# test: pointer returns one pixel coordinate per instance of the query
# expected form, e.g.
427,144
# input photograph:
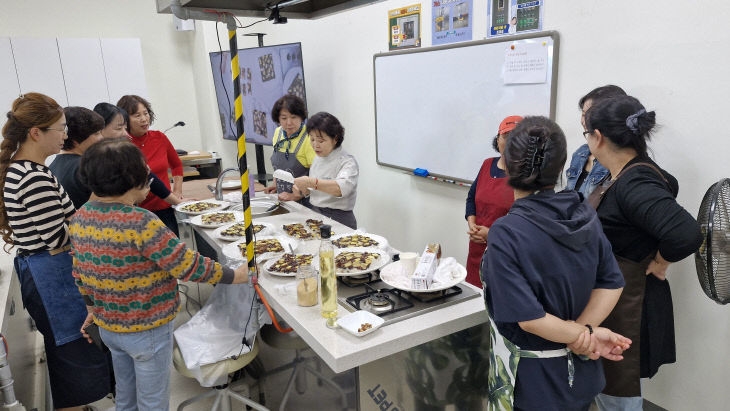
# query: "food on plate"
199,207
239,230
316,226
271,245
364,327
218,218
356,240
289,263
355,260
297,231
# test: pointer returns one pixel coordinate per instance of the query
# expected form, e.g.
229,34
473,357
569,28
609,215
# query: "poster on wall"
506,17
404,27
451,21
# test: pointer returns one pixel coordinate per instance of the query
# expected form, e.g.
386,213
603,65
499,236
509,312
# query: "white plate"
221,205
231,184
266,231
377,264
198,219
387,273
382,242
271,262
260,206
314,237
351,322
232,252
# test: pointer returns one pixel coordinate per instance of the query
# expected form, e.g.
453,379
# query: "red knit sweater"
161,156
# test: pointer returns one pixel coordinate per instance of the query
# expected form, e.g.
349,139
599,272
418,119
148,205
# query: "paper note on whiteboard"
526,64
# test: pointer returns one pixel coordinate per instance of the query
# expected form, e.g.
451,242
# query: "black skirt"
80,373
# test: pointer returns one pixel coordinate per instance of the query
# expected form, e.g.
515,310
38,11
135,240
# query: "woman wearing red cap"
489,198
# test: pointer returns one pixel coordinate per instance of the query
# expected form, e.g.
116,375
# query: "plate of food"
216,219
360,323
265,247
359,239
286,265
298,230
395,275
201,207
357,261
237,231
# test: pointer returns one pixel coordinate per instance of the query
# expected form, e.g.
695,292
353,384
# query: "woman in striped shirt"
34,213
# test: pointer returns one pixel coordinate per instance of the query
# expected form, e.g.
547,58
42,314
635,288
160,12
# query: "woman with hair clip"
115,120
34,218
648,230
332,181
550,280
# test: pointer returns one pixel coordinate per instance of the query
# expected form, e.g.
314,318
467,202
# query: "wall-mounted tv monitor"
267,73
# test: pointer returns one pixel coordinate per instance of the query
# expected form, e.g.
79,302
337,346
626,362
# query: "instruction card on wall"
404,27
526,63
505,17
451,21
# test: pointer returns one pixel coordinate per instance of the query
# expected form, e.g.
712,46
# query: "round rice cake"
355,260
356,240
289,263
199,207
218,218
297,230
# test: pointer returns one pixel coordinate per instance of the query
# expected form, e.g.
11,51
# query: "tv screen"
267,73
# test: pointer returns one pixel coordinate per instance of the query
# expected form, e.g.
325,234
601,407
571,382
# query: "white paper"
526,63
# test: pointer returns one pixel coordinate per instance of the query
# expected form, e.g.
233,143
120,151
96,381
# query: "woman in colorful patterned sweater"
126,264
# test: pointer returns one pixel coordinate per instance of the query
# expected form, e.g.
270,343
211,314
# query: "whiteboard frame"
553,81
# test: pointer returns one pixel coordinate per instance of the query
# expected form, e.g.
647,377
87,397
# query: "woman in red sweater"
159,152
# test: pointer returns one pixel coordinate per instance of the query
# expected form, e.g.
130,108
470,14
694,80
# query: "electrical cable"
255,22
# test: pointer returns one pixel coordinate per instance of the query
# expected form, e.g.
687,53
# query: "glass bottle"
327,277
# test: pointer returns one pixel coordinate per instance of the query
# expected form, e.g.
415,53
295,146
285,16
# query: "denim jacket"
577,163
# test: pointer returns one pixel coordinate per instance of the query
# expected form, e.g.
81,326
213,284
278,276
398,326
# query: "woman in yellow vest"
292,149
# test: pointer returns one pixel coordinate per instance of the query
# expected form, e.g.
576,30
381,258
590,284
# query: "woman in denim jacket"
585,172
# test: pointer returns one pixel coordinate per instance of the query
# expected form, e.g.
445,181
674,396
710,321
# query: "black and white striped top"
37,207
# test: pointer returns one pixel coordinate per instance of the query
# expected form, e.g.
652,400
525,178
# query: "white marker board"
439,108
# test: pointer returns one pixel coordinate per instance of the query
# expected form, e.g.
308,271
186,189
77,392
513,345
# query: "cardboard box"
423,276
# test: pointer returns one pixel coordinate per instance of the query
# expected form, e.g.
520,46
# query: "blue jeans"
611,403
142,363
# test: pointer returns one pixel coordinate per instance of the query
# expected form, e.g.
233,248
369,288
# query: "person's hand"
584,345
480,234
269,190
290,196
658,267
304,183
87,322
240,274
608,344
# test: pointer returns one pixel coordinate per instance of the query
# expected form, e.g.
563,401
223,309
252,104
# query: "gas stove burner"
378,299
377,304
358,280
380,302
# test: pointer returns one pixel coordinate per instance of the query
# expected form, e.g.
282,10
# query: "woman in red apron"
489,198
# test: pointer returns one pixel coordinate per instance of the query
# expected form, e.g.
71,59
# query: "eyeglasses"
586,134
64,130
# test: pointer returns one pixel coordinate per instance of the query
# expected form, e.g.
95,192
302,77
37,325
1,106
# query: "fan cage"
713,257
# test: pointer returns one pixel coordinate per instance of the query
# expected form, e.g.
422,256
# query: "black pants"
167,216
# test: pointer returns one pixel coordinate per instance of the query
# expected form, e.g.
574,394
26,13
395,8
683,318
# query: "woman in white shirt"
332,180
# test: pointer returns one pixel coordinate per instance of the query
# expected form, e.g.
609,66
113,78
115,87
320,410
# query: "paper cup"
409,262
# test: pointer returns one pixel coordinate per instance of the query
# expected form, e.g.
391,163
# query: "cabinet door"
9,89
83,71
39,67
124,68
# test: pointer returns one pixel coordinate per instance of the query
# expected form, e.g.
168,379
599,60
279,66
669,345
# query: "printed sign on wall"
451,21
404,27
505,17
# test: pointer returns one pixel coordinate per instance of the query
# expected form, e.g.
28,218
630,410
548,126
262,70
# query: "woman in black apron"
549,280
292,148
648,230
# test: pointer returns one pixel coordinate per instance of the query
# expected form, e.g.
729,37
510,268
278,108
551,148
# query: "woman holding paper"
332,181
489,198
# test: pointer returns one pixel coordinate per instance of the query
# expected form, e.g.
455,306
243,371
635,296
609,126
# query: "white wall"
165,52
672,56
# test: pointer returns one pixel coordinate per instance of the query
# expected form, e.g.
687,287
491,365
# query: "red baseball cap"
508,124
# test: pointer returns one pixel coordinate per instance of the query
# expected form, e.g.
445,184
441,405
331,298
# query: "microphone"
178,124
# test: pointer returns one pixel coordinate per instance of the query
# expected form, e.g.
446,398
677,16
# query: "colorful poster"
404,27
451,21
505,17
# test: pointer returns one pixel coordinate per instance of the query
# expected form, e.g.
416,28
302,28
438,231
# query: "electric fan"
713,257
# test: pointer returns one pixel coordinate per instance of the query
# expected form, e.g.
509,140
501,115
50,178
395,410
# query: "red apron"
493,199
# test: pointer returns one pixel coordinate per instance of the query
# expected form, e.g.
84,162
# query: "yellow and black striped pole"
242,165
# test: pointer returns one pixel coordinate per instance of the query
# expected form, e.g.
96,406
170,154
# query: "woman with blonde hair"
34,213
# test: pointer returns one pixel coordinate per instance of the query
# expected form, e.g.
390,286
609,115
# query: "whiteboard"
83,71
39,67
438,108
123,67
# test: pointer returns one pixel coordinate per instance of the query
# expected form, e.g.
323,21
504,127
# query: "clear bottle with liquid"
327,277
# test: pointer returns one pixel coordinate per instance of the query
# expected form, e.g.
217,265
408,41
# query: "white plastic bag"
216,331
